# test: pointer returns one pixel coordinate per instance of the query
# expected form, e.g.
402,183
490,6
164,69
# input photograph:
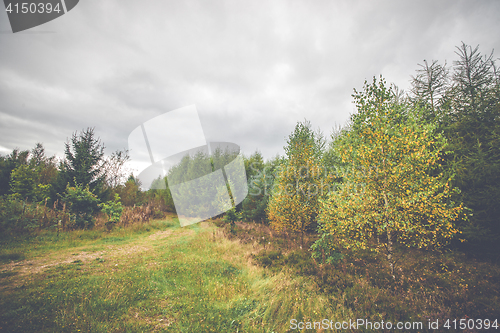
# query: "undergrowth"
428,286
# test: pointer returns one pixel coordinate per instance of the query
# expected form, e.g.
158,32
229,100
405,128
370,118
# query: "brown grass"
429,285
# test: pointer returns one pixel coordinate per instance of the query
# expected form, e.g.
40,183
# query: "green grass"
46,242
157,277
12,256
161,277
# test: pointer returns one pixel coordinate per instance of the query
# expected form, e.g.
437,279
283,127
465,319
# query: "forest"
393,216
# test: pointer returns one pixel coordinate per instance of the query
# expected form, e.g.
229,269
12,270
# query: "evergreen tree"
84,163
468,114
7,165
473,78
254,164
33,176
430,85
474,136
261,177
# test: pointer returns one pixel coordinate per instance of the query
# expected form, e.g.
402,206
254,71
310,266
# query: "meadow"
149,277
157,276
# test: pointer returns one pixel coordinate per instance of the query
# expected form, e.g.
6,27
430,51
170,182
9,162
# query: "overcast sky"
252,68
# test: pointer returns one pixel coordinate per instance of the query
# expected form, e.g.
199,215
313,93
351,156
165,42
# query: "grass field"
160,277
155,277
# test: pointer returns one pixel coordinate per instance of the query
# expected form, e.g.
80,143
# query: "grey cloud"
252,68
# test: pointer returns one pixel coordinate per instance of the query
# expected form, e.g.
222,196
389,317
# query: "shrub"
231,217
269,258
113,209
83,205
21,216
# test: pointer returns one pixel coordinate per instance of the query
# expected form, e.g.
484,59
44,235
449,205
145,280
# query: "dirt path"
15,273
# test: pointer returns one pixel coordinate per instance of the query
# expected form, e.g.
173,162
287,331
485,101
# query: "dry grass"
429,285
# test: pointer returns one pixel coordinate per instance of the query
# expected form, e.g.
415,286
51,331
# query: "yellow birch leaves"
294,200
394,184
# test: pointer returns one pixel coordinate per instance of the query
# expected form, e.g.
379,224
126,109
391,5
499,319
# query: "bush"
20,216
269,259
15,216
323,250
83,205
298,261
231,217
113,209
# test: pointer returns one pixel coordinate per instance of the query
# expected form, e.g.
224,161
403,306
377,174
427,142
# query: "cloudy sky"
253,69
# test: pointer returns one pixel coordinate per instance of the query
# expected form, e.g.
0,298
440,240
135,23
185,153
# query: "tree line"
82,184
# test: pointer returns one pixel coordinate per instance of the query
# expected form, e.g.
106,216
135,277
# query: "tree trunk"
302,239
389,253
389,237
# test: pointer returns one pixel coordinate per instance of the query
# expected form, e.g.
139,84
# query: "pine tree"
430,85
84,163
